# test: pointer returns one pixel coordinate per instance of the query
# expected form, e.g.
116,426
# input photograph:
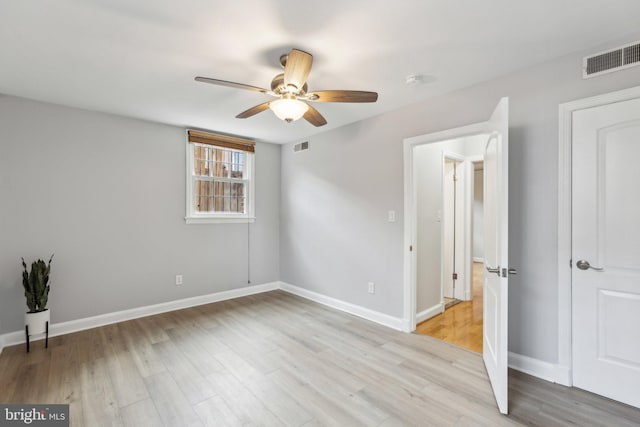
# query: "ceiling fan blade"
297,68
230,84
314,117
253,110
342,96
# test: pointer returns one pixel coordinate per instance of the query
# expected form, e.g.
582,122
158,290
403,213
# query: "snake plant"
36,285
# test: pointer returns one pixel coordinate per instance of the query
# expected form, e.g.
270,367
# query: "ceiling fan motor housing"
278,87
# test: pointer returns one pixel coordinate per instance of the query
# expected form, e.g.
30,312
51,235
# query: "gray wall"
106,194
335,197
335,236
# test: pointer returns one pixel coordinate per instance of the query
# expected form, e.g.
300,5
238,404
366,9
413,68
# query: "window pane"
200,160
197,167
218,162
222,204
201,191
236,170
218,180
198,163
237,189
216,169
211,196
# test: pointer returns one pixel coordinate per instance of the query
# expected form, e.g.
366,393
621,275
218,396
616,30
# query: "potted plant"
36,290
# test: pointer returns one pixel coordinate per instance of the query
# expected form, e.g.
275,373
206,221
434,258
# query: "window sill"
219,220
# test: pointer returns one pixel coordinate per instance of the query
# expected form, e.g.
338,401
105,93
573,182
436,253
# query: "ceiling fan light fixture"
288,109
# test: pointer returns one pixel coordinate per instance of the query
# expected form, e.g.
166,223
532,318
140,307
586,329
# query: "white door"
606,235
496,226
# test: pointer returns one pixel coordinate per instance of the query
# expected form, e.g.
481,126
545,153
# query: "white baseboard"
17,337
429,312
374,316
537,368
478,259
62,328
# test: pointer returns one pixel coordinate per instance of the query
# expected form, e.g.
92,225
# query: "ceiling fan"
290,88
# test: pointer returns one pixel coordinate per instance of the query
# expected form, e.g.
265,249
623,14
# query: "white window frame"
193,217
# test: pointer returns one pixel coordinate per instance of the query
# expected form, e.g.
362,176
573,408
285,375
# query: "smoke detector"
413,79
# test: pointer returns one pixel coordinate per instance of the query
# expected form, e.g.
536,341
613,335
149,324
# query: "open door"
496,273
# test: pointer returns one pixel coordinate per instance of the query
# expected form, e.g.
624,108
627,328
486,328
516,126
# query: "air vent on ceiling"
612,60
302,146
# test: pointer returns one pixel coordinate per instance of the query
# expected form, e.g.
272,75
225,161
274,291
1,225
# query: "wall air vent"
613,60
302,146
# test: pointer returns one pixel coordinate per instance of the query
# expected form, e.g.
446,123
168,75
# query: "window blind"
221,140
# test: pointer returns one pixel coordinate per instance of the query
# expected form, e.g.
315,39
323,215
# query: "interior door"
606,250
496,274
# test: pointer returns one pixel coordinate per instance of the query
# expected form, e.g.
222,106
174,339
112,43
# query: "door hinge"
455,276
571,263
455,177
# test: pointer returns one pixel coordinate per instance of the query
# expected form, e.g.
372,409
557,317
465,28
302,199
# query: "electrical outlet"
391,216
178,279
372,288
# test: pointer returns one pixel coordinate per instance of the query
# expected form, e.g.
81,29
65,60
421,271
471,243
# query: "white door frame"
564,372
409,267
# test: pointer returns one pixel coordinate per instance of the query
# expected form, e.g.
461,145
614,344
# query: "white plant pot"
37,322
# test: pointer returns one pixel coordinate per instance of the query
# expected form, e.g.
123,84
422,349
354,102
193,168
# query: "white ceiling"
138,58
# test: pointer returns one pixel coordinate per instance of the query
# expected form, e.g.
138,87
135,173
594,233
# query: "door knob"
493,270
584,265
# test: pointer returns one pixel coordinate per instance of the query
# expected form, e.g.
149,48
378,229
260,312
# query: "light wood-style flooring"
278,360
461,324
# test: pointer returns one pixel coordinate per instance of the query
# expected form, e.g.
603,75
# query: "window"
219,178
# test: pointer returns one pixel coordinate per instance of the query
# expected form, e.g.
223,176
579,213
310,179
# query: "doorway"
449,284
598,265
